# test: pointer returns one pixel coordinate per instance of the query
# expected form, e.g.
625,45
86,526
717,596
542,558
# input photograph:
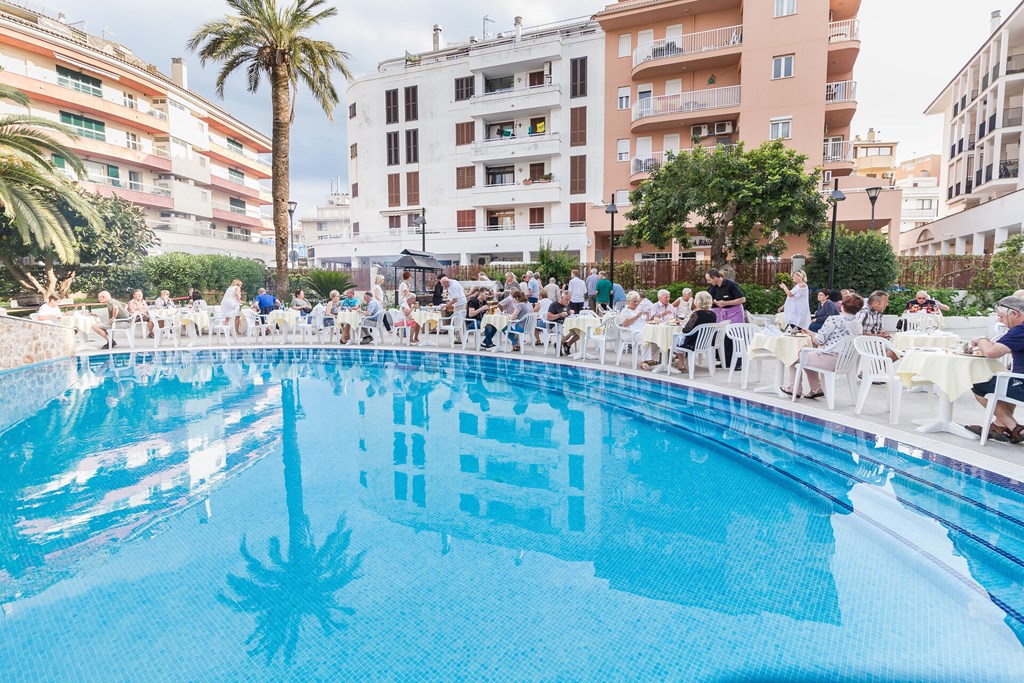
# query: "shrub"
760,300
864,261
321,282
179,272
556,263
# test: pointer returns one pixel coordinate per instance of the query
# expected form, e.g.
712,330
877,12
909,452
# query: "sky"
910,49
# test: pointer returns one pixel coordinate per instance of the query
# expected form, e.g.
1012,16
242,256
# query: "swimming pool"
338,514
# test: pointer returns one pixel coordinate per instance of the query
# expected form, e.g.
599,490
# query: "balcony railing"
696,100
922,213
202,230
704,41
1008,169
841,91
241,210
839,31
647,163
123,184
522,90
512,139
837,151
1012,116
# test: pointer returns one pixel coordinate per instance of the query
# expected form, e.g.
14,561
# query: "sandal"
815,394
1015,435
787,392
646,366
997,432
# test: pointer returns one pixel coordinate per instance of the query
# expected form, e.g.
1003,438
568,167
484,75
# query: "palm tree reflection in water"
282,593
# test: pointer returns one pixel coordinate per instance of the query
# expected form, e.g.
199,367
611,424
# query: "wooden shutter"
465,220
465,133
536,216
578,213
394,189
577,126
465,177
578,174
412,188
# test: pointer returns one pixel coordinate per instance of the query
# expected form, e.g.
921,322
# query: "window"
500,175
622,197
622,150
355,229
352,110
353,150
410,220
578,214
536,217
537,171
392,147
538,126
781,129
412,188
79,81
782,67
578,77
464,88
498,84
114,175
394,189
577,126
465,220
391,106
394,222
465,177
355,190
236,205
132,141
578,174
129,101
236,176
536,79
924,204
412,103
234,145
624,97
85,127
501,219
134,180
783,8
625,44
412,146
465,133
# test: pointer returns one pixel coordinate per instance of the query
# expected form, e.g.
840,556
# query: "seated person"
846,324
508,304
684,304
517,325
922,303
351,301
662,310
870,316
558,311
49,312
372,315
196,300
826,309
701,315
300,304
332,307
115,311
541,309
519,303
264,303
1004,427
137,306
405,320
164,301
476,309
632,321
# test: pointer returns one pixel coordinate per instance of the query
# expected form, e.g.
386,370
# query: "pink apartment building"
731,71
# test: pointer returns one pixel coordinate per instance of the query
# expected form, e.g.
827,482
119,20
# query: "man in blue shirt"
374,310
351,300
534,285
1004,427
265,303
618,296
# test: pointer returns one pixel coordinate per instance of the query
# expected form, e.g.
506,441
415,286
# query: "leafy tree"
556,263
271,42
1008,264
865,261
745,202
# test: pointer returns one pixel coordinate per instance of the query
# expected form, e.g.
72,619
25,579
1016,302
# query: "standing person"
231,304
602,293
511,283
534,295
524,286
137,306
796,310
592,281
577,292
457,294
826,309
378,289
405,287
115,311
437,298
552,289
618,296
728,300
1005,426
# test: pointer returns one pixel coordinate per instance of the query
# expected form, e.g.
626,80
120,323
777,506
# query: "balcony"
1012,117
706,49
509,194
523,101
641,167
197,237
922,214
134,192
220,180
237,215
837,152
669,111
244,158
1014,64
1008,169
843,45
130,152
525,148
840,103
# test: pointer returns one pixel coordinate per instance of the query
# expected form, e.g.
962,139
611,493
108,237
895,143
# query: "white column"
526,256
463,259
1001,235
961,246
978,248
355,261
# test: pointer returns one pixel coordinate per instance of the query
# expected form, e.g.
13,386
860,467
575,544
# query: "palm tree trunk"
280,185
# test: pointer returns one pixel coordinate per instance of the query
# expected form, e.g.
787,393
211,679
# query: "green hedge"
760,300
179,273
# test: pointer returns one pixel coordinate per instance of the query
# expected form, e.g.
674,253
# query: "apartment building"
327,230
874,157
144,136
479,150
981,111
713,72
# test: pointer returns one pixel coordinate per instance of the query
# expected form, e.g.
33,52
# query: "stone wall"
23,342
26,391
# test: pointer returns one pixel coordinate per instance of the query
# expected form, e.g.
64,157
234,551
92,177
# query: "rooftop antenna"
487,20
107,34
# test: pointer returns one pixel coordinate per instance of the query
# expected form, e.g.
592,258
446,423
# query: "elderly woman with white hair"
684,304
796,311
702,315
633,321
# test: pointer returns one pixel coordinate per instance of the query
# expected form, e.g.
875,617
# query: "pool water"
379,515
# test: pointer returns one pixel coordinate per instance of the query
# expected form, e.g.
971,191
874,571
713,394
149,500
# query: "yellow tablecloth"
352,318
661,335
951,372
785,347
79,322
904,341
580,324
431,318
499,320
201,319
286,319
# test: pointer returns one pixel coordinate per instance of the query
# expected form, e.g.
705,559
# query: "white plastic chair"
703,346
306,326
844,366
624,338
876,366
528,325
553,332
375,328
253,326
456,323
1000,392
916,322
125,326
170,326
600,336
223,326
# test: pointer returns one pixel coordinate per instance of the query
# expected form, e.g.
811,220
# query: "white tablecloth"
431,318
82,322
201,319
287,319
580,324
352,318
499,320
785,347
661,335
904,341
952,373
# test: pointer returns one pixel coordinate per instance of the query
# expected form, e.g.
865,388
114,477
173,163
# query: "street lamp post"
611,210
292,254
421,223
837,196
873,193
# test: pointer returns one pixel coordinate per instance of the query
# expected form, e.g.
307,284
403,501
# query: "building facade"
327,231
478,151
144,136
728,71
981,111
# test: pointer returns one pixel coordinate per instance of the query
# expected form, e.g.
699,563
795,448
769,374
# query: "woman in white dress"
797,310
231,304
378,289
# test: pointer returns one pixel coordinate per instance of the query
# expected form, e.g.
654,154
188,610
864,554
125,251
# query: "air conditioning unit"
483,260
699,131
723,128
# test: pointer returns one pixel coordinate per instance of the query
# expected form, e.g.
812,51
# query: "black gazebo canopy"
417,262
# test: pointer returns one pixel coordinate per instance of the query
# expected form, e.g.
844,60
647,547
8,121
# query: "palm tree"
271,41
30,185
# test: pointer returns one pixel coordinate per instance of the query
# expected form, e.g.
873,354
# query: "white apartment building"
327,231
495,143
981,110
144,136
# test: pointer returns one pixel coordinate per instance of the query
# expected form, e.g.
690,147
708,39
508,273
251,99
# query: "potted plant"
528,181
547,177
